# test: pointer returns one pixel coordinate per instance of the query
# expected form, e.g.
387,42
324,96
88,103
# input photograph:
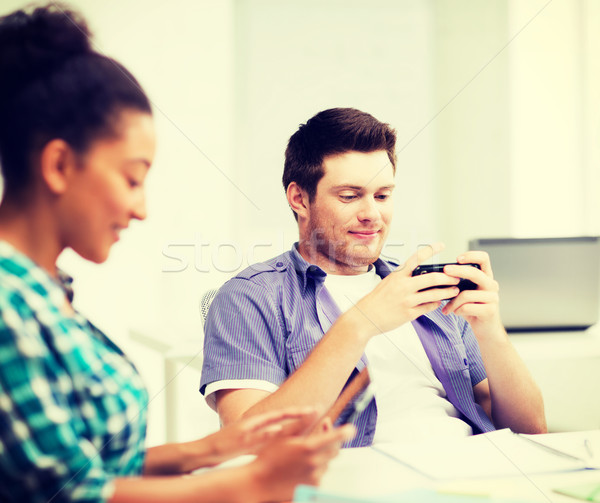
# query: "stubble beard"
339,253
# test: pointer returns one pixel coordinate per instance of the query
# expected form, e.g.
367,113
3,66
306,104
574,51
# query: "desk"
366,472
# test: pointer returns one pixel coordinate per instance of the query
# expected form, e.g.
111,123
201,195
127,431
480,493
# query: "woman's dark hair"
53,84
332,132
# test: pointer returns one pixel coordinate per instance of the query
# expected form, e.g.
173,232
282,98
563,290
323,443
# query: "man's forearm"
516,400
320,379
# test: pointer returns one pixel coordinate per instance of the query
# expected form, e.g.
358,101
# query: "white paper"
495,454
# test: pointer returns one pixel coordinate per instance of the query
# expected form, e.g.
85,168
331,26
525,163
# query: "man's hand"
480,307
401,297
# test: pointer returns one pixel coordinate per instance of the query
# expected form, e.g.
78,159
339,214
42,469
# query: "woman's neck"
32,231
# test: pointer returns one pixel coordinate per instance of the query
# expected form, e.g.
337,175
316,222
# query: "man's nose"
368,209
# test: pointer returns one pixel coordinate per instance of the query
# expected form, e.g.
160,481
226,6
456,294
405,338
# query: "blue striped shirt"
72,407
264,322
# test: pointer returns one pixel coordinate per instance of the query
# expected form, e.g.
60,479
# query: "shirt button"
279,264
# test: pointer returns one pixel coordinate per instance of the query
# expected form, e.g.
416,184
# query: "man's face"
349,217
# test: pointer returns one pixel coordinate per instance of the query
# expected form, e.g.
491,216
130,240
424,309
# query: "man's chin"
351,256
361,259
363,255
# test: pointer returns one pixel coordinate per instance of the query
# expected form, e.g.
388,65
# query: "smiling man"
347,227
297,328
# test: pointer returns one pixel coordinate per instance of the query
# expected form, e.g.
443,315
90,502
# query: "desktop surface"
366,472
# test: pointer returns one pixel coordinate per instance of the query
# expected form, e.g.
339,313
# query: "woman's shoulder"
30,301
22,279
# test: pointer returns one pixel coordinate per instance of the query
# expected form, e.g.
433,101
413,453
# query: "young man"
294,329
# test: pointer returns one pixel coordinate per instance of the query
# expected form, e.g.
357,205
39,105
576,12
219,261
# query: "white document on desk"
498,454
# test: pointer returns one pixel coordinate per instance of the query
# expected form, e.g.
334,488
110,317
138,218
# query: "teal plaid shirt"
72,406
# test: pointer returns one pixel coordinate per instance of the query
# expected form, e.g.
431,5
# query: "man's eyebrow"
347,186
359,187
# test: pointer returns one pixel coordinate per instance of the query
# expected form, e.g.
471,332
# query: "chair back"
205,302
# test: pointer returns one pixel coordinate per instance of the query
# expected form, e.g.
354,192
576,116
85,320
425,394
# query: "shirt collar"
66,283
307,270
30,271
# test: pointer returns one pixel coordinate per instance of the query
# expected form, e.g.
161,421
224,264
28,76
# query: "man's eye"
382,197
344,197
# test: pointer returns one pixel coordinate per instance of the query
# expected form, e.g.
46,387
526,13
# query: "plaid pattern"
72,407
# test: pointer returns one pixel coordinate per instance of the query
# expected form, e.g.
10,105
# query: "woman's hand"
289,458
288,462
246,436
250,435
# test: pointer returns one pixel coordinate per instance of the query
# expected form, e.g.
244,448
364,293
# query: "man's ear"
298,199
57,160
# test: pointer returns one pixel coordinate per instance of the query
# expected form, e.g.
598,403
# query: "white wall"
294,59
518,124
471,122
546,106
590,14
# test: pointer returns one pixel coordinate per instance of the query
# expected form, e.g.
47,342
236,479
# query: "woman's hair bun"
53,84
38,41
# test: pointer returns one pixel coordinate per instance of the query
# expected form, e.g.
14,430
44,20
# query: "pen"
552,449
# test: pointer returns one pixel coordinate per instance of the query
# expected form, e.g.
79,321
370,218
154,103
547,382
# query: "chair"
205,302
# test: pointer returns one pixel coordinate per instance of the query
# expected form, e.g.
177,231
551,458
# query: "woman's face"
107,190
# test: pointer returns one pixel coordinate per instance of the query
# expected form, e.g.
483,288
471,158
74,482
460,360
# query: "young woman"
76,143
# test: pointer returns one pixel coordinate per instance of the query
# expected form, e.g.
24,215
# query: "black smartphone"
463,284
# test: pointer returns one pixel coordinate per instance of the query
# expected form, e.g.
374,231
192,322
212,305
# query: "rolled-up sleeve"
43,455
244,335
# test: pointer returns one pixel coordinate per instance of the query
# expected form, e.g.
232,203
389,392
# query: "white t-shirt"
411,401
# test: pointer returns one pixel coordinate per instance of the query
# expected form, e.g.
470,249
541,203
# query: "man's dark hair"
333,132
